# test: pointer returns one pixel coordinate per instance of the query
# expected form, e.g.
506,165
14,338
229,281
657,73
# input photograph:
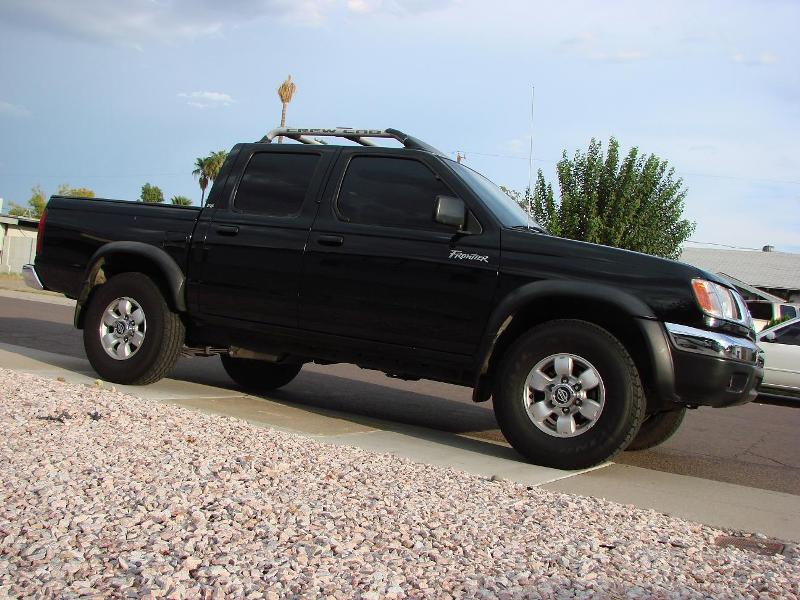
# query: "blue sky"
110,95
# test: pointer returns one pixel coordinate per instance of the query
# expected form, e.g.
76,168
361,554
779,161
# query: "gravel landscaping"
106,495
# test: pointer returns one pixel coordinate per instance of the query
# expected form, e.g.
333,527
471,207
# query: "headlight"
717,300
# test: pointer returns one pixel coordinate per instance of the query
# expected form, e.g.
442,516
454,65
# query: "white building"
17,242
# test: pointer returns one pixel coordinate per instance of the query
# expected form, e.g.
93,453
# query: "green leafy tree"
636,203
16,210
37,201
65,190
35,206
151,194
181,201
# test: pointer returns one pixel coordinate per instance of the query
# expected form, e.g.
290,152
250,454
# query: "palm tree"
285,93
208,169
215,159
201,172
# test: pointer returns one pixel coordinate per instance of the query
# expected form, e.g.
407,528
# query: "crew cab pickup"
401,260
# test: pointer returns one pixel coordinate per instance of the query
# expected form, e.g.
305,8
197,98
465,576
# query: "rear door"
251,256
379,268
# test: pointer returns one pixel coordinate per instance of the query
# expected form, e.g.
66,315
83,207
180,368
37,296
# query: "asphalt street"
754,445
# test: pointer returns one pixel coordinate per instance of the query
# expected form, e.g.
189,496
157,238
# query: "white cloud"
590,46
755,60
397,7
206,99
137,22
13,110
360,6
619,56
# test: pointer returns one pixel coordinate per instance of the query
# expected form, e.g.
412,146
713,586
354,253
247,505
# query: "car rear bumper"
714,369
31,277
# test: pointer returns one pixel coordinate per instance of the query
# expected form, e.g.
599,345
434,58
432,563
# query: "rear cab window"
275,184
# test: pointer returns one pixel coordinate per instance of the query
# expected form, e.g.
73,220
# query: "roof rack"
359,136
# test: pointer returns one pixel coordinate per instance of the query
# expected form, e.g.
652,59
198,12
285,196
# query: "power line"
79,176
723,245
692,173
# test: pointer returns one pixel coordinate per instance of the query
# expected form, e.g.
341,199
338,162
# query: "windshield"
502,206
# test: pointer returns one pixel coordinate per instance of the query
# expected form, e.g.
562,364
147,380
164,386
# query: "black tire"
657,429
258,375
616,424
162,340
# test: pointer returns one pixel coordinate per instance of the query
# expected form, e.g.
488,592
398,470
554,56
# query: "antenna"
530,160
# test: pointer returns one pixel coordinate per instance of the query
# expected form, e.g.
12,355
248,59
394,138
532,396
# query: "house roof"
779,270
28,222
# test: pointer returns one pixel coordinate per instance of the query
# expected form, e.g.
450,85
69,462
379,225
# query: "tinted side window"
275,184
789,335
788,312
393,192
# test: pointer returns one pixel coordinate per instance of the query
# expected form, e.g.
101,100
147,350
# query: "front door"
379,268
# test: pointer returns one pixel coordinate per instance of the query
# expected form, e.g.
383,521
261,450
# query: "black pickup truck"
402,260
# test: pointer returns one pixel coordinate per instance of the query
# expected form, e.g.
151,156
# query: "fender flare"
173,276
524,295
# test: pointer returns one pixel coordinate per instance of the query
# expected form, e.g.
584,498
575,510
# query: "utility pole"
459,157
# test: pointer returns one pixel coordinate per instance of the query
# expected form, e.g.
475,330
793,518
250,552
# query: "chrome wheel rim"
564,395
122,328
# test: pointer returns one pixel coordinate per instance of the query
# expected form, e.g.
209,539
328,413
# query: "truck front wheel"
568,395
130,334
258,375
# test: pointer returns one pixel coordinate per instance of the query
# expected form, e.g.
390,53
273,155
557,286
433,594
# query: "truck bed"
77,227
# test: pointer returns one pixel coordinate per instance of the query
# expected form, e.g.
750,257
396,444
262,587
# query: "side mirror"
768,337
451,211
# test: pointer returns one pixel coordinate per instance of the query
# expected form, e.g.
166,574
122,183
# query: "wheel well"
108,266
604,314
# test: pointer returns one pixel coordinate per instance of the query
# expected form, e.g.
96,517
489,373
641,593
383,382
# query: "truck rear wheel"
568,395
258,375
657,429
130,334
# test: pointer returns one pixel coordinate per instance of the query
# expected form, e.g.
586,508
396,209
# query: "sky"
112,94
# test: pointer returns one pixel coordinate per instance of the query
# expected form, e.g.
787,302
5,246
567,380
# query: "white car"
781,346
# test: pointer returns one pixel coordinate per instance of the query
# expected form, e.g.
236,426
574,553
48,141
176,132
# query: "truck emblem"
459,255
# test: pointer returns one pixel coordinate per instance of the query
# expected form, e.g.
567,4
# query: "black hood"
663,285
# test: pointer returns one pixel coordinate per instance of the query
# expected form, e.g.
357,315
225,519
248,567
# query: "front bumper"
31,277
714,369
